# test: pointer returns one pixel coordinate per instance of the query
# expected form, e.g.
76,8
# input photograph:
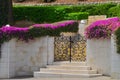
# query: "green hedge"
36,14
50,14
117,33
77,16
101,9
114,11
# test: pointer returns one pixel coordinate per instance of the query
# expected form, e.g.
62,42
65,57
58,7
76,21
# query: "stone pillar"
50,53
7,60
99,55
82,25
115,60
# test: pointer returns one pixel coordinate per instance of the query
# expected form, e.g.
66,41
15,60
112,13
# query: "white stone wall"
7,60
20,58
115,61
99,55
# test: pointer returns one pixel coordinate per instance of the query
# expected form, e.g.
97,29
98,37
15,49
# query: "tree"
6,16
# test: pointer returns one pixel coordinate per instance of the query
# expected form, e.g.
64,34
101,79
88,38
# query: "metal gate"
70,48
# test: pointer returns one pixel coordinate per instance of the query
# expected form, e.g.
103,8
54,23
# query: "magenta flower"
102,28
8,32
55,25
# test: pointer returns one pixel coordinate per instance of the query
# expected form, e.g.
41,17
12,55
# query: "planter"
99,55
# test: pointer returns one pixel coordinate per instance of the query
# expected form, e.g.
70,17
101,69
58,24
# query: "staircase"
67,69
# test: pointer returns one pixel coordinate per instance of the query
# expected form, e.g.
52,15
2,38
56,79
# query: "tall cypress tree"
6,12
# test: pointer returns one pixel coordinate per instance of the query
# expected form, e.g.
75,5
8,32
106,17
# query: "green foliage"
50,14
114,11
37,30
101,9
36,14
59,14
44,14
117,33
77,16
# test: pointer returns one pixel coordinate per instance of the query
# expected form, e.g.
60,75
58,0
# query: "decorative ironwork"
70,48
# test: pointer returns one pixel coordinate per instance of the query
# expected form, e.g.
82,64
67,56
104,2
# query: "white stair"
67,69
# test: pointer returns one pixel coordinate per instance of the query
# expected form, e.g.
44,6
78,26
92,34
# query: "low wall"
115,61
99,55
19,58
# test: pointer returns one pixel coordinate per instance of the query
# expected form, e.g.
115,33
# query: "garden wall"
19,58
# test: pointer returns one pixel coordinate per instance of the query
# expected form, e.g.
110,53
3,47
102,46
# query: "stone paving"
31,78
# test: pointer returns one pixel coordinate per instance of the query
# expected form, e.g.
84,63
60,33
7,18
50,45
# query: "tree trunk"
6,12
10,13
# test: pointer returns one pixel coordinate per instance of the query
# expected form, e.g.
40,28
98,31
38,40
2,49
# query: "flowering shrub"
102,28
37,30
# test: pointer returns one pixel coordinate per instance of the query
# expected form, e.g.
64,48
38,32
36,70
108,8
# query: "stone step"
70,63
69,71
69,67
63,75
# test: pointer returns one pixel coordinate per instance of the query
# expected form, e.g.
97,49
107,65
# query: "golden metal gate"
70,48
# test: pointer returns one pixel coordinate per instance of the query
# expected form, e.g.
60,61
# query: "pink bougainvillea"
102,28
7,32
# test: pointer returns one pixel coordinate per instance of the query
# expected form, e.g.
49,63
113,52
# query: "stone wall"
92,19
21,58
99,55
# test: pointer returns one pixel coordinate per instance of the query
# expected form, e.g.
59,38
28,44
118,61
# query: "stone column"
82,25
115,60
50,53
7,60
99,55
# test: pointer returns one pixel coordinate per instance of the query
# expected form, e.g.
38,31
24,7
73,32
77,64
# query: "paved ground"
94,78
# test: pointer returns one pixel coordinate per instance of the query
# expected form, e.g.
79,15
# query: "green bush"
117,33
114,11
60,13
44,14
77,16
101,9
50,14
36,14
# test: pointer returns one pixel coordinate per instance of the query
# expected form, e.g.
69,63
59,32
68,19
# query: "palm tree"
6,12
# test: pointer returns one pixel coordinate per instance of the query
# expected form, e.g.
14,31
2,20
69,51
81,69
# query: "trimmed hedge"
50,14
36,14
77,16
